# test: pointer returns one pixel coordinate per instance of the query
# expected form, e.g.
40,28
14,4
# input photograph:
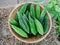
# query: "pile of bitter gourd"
30,21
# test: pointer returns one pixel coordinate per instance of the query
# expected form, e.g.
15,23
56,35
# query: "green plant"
39,27
30,23
21,22
32,26
14,22
38,11
22,10
46,24
43,14
19,31
53,8
32,11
